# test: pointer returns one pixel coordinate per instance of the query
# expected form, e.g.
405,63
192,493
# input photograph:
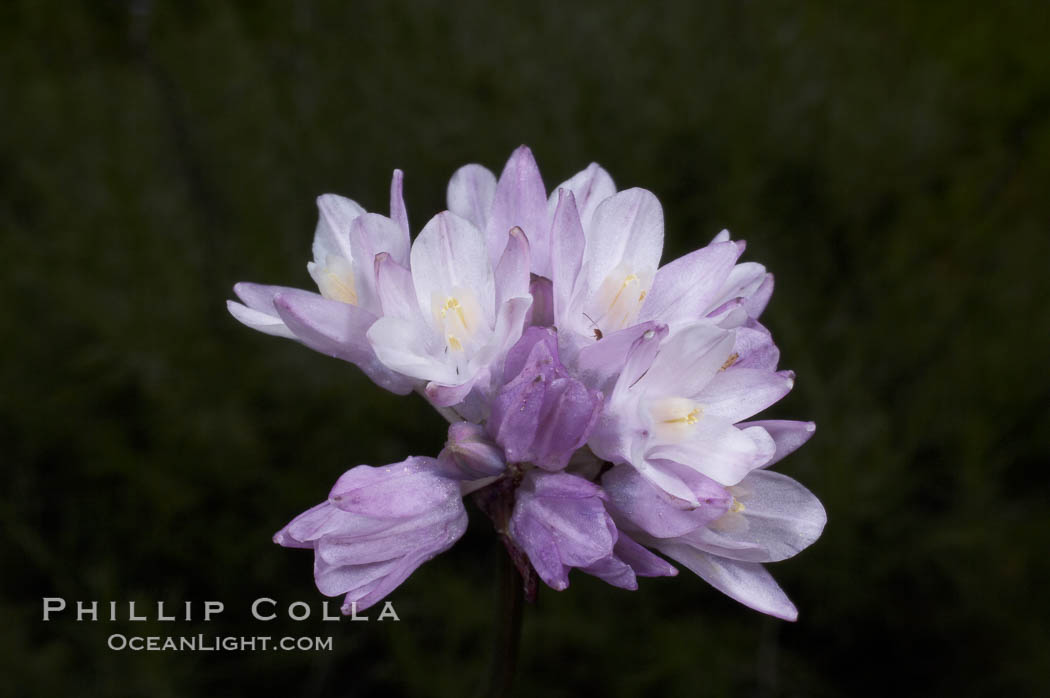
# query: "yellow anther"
641,296
629,279
453,304
730,361
736,507
692,418
454,343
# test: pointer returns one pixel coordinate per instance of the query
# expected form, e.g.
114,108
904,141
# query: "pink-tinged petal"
723,236
371,234
470,194
685,288
567,245
788,435
643,562
715,448
454,392
757,302
402,346
781,518
636,499
410,488
398,212
746,582
332,235
590,187
628,226
448,254
338,330
689,360
512,271
738,393
395,291
521,201
262,322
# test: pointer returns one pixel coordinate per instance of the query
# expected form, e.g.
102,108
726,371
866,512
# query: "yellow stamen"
730,361
736,506
692,418
630,278
454,343
453,304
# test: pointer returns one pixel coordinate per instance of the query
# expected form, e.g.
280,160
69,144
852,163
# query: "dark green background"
889,163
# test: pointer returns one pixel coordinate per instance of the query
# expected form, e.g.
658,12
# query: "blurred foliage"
888,161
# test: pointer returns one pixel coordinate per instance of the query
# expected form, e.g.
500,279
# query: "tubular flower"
601,405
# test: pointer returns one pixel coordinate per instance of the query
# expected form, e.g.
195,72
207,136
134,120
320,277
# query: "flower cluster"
597,400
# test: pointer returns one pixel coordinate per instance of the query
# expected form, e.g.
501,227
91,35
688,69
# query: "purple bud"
470,454
542,414
560,521
377,527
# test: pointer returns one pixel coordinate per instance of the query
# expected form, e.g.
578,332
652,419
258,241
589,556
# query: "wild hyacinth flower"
600,404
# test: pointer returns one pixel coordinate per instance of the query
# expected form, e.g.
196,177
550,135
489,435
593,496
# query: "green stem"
508,627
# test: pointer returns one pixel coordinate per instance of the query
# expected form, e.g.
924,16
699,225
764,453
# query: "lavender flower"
377,527
600,404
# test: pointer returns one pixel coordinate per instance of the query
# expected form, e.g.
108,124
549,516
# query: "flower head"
600,403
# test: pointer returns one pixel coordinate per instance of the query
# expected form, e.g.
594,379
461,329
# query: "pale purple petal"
470,194
781,516
260,321
398,212
627,227
399,490
338,330
450,254
741,392
395,291
684,289
688,360
521,201
715,448
633,498
747,582
469,453
332,235
512,271
567,245
403,346
643,562
754,348
601,361
788,435
371,234
759,299
590,187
